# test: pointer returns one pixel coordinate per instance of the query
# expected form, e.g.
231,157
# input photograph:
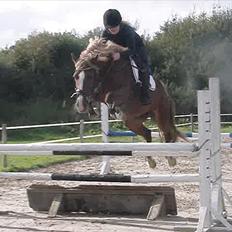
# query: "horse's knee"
169,137
147,133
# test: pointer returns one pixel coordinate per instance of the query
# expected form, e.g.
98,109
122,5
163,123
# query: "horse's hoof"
171,161
151,162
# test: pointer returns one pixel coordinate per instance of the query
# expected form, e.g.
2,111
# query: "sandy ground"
16,215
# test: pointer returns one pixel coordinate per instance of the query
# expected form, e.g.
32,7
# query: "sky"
18,19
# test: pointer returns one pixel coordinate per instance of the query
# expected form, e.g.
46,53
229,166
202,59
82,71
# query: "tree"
186,52
38,68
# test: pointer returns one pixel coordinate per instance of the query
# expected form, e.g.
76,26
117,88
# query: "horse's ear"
74,59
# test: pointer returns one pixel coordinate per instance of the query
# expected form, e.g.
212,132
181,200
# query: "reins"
102,81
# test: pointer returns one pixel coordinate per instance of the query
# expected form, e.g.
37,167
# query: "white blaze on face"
80,98
81,79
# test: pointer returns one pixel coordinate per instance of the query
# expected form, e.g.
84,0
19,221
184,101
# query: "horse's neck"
119,82
119,76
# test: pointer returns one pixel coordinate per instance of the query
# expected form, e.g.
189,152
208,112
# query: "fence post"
105,167
4,133
4,140
81,130
191,121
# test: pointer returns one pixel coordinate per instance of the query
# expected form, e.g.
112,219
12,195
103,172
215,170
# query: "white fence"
190,118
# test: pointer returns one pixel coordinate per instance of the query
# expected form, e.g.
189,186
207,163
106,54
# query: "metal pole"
4,140
81,130
4,133
191,121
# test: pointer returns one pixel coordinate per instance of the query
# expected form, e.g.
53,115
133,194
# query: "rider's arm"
130,42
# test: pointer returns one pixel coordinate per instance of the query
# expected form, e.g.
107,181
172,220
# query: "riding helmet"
112,18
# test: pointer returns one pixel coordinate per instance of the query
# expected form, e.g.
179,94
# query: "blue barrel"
120,133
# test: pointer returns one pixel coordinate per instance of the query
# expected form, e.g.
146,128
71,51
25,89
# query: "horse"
98,78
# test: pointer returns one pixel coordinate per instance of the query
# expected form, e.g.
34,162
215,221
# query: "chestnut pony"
100,79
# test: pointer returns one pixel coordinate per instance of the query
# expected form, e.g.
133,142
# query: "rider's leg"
144,75
145,92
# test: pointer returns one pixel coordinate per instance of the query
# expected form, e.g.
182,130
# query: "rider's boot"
145,97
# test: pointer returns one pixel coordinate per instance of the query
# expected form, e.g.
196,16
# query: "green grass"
40,134
226,129
25,163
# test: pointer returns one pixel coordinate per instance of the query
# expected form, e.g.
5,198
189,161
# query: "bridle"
80,92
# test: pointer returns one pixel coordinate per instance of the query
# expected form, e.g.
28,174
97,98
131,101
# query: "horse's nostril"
81,104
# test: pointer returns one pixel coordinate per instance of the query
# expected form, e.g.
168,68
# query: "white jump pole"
105,165
173,178
113,149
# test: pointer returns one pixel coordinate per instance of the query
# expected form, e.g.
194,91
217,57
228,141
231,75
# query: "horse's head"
86,79
90,71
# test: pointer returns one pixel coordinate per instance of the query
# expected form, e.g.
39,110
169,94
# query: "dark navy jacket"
127,37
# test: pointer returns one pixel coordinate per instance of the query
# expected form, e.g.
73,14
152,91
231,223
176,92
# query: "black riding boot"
145,93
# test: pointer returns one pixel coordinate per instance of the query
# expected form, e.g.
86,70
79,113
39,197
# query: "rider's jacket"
127,37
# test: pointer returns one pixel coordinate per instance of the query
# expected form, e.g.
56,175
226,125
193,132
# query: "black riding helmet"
112,18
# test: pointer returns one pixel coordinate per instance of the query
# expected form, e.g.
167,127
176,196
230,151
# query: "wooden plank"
203,212
55,205
157,207
114,199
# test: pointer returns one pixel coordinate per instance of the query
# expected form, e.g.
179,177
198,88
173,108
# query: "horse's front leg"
92,112
137,126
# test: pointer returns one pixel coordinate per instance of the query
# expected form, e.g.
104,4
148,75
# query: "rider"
123,34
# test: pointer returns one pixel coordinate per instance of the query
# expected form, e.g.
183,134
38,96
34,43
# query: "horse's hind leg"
167,130
137,126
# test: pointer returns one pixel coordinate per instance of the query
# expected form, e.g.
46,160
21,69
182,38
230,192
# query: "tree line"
36,73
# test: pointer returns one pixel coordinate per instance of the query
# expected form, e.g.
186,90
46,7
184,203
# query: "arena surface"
17,216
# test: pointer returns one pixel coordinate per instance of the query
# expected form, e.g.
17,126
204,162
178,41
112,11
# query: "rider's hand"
116,56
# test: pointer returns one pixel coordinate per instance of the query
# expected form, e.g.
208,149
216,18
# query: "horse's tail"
174,132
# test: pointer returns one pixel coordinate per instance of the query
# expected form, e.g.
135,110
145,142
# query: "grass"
40,134
226,129
25,163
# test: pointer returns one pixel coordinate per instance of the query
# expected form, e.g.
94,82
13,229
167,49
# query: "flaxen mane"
98,48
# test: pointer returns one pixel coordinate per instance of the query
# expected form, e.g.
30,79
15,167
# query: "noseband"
77,93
